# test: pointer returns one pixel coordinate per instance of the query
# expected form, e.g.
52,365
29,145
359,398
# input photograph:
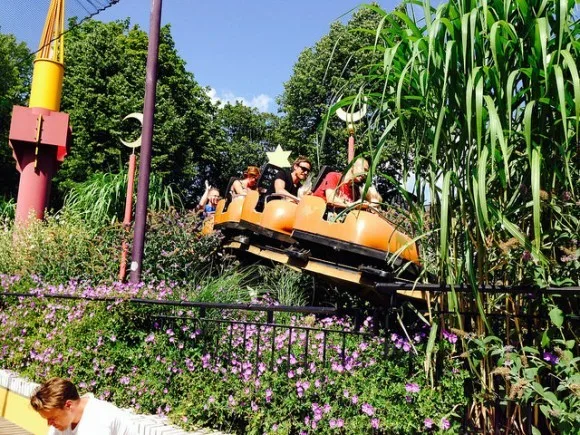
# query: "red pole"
350,146
128,215
38,167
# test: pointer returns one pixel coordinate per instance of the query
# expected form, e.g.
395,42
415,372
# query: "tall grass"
101,199
7,209
483,99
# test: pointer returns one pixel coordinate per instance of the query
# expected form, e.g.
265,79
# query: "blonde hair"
53,394
357,168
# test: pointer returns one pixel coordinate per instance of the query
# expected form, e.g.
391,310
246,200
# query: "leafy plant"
101,199
483,99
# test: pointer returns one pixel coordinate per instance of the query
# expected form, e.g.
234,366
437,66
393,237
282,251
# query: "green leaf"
545,339
557,317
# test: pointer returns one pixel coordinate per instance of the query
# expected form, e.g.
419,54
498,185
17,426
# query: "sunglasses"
303,169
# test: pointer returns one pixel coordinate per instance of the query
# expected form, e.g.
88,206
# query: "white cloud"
260,102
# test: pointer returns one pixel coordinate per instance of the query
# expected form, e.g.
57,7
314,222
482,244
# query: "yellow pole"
48,73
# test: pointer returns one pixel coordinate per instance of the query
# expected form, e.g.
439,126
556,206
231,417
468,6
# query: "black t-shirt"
286,176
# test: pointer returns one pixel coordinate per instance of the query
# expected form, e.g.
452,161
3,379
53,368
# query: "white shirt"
100,418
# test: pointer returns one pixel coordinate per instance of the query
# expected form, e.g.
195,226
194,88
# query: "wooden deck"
7,428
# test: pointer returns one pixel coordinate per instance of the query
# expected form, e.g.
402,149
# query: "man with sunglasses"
288,181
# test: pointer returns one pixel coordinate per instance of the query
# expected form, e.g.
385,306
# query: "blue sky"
241,49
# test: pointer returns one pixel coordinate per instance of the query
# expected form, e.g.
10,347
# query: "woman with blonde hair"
345,190
249,182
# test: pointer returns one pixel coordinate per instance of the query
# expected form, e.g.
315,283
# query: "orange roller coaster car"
366,229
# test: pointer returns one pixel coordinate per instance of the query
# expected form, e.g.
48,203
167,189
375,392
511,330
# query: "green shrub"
176,250
60,249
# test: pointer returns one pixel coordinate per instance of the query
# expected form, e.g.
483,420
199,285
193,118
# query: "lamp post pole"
147,139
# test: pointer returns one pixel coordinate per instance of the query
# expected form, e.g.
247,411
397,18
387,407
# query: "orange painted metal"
279,215
360,227
128,214
232,214
249,213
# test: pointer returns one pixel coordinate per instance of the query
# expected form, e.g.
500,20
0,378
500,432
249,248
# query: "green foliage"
484,102
15,73
105,81
7,210
528,376
158,359
320,76
60,249
101,199
65,248
286,286
175,250
240,137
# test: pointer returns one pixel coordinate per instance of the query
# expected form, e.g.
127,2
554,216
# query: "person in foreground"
59,403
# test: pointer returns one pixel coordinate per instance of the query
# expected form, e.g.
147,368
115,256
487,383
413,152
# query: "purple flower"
412,388
551,358
445,424
428,423
368,409
375,423
449,336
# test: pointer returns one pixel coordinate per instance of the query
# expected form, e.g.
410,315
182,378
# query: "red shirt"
346,191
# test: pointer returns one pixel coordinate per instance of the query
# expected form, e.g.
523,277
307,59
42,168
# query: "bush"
60,249
176,250
242,377
65,247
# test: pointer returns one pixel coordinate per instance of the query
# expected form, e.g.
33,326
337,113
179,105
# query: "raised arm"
203,199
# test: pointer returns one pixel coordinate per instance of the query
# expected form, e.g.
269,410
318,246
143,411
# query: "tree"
321,75
15,73
240,137
104,81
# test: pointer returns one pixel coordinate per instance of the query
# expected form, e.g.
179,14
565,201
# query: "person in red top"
344,191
